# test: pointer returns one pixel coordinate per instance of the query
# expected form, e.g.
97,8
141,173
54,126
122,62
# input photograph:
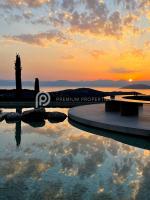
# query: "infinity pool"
59,161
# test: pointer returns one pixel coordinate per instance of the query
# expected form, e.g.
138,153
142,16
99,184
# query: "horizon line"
119,80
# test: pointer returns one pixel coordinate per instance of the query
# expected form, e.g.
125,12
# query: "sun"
130,80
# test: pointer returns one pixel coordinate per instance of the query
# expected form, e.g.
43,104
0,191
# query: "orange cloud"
147,44
68,57
133,52
41,39
97,53
122,70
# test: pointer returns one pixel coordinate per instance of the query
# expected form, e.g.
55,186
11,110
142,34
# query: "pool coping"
96,120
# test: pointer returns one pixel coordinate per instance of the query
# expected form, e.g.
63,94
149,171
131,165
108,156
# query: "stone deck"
96,117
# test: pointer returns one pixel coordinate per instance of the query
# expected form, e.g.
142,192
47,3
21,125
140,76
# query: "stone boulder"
12,117
35,115
55,117
36,124
2,116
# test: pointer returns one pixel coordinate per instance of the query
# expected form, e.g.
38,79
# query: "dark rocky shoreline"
64,98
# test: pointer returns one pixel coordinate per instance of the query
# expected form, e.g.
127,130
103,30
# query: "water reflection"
38,123
59,161
18,133
140,142
18,129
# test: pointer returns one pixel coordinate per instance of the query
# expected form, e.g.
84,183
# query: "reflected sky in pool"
59,161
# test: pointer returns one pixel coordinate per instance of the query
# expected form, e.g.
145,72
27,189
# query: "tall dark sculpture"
37,85
18,74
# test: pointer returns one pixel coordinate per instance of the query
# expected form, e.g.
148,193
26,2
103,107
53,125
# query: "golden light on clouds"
82,41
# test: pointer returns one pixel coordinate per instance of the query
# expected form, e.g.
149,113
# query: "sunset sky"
76,39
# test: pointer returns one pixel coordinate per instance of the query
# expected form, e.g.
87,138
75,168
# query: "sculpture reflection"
18,129
36,119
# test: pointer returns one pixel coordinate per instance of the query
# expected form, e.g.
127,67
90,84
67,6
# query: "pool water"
59,161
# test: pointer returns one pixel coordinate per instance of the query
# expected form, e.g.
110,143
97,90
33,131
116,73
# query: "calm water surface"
59,161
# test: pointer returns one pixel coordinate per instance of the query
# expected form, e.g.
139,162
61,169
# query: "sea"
64,162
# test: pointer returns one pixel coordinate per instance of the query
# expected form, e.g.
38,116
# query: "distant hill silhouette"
137,86
67,83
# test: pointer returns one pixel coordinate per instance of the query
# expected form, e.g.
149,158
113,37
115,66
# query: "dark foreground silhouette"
64,98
